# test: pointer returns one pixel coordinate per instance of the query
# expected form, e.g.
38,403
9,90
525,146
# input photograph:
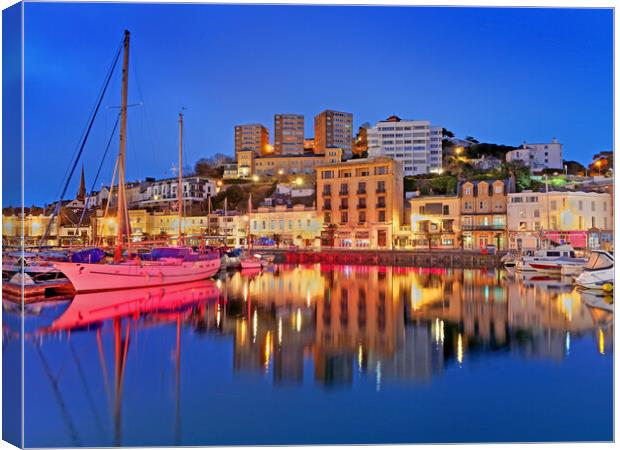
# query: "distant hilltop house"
538,157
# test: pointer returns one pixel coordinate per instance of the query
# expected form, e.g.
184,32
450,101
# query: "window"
362,217
467,191
482,205
593,206
536,213
468,205
499,189
344,217
381,216
554,204
446,210
327,217
580,205
380,186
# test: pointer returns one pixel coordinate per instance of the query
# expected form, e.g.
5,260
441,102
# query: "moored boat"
598,273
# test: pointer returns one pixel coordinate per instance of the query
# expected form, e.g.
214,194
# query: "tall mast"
180,183
122,219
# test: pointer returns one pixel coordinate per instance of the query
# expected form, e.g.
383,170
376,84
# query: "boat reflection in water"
301,346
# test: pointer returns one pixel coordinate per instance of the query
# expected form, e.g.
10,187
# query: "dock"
401,258
44,290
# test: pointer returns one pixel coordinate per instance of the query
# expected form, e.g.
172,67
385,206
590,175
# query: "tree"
206,168
447,133
575,168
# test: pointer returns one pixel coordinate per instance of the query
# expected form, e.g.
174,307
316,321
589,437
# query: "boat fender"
608,287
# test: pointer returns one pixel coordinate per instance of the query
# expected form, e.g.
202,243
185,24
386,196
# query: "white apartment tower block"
415,143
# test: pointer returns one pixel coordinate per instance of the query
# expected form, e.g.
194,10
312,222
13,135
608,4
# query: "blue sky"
500,75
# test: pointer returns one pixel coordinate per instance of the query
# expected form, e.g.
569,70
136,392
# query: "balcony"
381,205
327,207
361,192
327,193
361,206
344,206
482,227
343,192
380,191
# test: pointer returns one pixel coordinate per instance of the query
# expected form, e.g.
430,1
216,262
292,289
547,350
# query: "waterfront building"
582,219
435,222
299,226
483,213
147,225
254,137
538,156
361,201
415,143
162,194
333,129
288,134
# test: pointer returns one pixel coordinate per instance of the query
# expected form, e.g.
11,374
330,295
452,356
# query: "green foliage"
447,133
575,168
238,195
205,168
437,184
478,150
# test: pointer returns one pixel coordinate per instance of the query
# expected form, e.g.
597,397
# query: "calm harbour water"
321,354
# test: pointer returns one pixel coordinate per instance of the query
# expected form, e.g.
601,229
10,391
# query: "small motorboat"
556,265
524,263
598,273
251,262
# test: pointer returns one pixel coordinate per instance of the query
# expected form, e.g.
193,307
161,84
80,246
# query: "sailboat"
171,265
249,262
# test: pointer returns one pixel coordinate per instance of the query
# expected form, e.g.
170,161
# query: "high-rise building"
253,137
333,129
415,143
288,134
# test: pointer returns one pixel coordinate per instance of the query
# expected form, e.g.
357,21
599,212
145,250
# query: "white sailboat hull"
106,277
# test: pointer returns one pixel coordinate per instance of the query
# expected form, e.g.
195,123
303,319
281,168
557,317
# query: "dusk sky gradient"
500,75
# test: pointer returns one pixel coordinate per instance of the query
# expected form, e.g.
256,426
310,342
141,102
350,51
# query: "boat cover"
91,255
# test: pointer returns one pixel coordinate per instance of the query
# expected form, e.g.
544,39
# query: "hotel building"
415,143
333,129
561,217
288,134
538,156
362,201
298,225
483,213
253,137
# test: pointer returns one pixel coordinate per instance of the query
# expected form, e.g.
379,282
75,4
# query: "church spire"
81,195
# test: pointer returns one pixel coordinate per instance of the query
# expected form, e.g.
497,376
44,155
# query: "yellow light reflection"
218,316
298,320
254,325
360,356
601,341
459,349
267,352
280,331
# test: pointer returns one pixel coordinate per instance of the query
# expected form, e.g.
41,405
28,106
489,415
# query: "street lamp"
598,164
255,178
458,150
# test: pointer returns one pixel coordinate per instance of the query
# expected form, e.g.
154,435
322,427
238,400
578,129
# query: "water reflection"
332,328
